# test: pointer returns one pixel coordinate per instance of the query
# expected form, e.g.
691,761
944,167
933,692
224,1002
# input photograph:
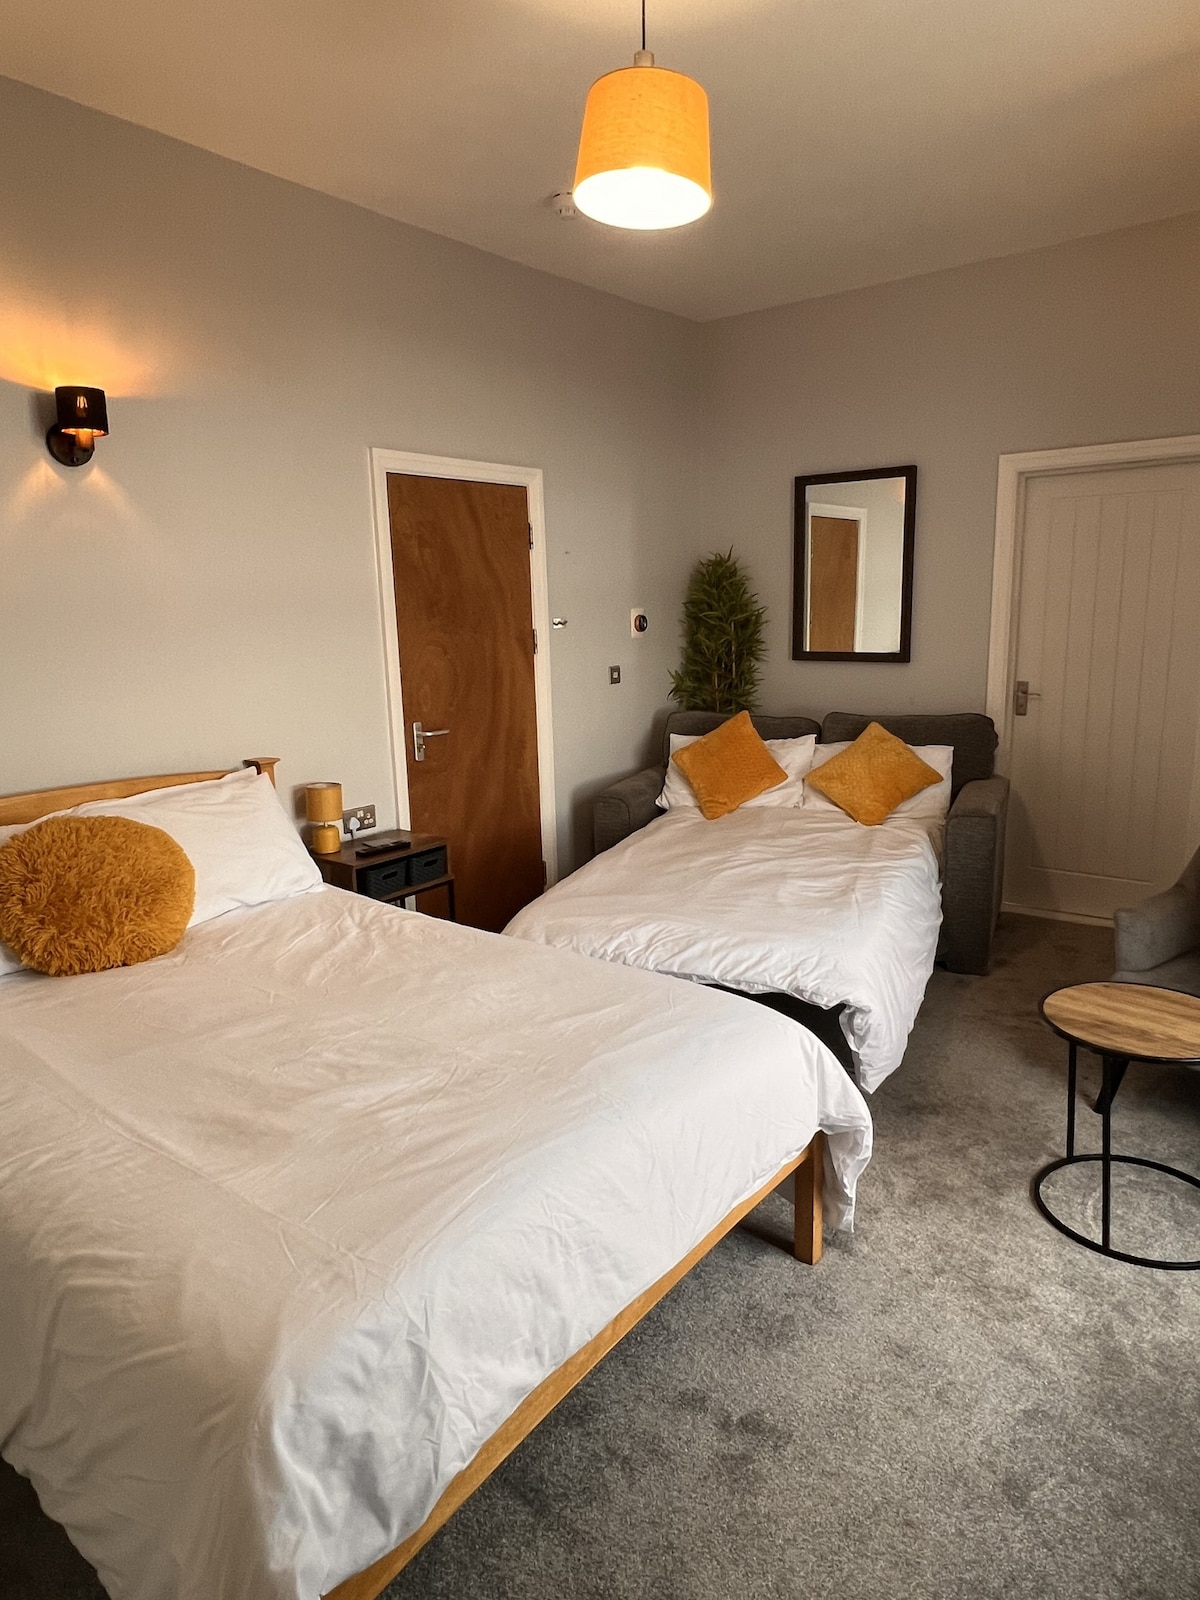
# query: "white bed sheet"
803,902
292,1219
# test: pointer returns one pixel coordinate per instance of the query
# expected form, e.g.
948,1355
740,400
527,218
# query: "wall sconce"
82,418
323,809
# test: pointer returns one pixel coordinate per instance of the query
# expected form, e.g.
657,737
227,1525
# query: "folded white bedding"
803,902
293,1218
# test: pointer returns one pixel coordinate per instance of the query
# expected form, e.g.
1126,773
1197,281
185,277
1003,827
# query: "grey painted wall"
1080,344
205,589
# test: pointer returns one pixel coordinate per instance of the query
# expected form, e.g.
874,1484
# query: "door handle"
420,735
1022,695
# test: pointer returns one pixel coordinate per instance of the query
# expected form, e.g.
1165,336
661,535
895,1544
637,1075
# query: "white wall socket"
639,622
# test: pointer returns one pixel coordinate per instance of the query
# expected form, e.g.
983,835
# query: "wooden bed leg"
810,1185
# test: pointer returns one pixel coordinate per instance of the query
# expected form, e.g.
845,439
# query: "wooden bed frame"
808,1168
16,809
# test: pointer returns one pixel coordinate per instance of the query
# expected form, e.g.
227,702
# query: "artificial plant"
723,642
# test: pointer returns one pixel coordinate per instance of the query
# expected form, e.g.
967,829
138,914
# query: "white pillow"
795,756
234,831
931,804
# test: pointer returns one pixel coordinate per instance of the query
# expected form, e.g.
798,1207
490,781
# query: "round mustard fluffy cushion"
80,894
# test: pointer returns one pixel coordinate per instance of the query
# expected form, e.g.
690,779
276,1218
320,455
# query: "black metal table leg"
1113,1071
1108,1089
1072,1064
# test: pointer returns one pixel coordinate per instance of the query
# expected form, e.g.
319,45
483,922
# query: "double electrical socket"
362,816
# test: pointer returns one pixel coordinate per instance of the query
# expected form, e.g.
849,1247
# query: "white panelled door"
1103,763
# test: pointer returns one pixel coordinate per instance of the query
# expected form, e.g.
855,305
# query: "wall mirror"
853,567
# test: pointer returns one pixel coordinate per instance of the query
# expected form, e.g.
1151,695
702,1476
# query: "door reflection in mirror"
852,596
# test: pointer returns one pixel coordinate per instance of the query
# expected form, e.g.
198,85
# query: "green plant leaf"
723,639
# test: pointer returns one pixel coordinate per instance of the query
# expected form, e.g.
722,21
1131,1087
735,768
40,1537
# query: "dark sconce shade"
82,418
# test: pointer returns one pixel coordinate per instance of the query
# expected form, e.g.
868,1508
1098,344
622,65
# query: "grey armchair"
973,862
1158,941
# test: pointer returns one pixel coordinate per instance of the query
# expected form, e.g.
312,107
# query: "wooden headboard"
35,803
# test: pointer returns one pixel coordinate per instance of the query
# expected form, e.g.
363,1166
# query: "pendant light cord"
643,57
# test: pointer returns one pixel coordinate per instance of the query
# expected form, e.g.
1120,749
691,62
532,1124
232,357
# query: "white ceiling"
854,141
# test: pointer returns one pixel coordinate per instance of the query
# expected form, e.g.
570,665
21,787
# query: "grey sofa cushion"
971,733
701,722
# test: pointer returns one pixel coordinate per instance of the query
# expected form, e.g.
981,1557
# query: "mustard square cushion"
876,774
728,766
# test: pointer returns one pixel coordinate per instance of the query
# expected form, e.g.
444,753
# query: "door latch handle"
1022,695
420,735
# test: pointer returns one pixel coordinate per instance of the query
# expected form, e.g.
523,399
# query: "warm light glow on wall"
32,492
41,348
95,504
644,149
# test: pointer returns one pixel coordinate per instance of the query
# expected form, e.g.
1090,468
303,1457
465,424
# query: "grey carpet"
958,1402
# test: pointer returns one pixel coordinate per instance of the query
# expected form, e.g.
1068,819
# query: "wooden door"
832,582
1104,761
464,618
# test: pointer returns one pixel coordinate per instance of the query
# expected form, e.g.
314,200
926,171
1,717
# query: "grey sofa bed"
973,861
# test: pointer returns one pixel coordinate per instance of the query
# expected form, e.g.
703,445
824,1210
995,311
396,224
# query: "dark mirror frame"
800,562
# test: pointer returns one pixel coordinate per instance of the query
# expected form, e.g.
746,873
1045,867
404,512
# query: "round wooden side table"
1121,1022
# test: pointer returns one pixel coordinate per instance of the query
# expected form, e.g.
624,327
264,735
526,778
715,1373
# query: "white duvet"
800,901
292,1219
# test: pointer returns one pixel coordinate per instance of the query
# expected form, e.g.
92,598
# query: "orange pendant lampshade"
644,152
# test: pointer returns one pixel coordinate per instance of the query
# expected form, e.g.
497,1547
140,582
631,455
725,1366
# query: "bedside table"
420,862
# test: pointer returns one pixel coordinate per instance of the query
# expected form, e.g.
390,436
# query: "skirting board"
1057,916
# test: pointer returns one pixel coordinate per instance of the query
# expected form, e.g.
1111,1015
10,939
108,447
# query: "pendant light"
644,153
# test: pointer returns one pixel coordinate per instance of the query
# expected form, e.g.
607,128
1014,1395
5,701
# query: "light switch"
614,674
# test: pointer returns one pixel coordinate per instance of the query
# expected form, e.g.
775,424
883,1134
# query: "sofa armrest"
624,807
973,874
1157,930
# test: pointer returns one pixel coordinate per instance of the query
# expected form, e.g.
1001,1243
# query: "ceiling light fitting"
644,150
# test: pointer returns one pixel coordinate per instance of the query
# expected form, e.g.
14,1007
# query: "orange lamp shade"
323,802
323,809
644,150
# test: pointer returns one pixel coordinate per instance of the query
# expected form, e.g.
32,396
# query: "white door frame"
384,462
1015,472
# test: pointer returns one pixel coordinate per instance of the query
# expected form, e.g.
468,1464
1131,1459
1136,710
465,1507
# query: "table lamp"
323,808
